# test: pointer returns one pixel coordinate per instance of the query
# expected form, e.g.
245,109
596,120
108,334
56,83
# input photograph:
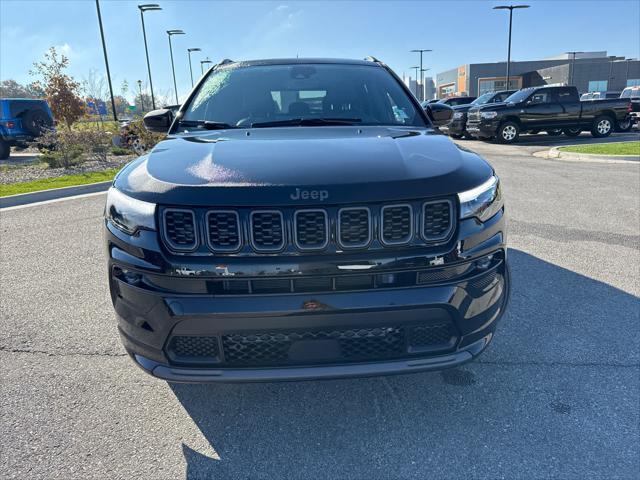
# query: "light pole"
202,62
416,89
421,51
147,8
190,69
170,33
573,61
611,59
106,61
510,8
141,99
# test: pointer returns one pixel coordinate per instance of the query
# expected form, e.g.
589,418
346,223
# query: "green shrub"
119,151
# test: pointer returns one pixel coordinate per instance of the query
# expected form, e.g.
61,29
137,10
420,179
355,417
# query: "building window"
633,82
496,84
446,90
598,85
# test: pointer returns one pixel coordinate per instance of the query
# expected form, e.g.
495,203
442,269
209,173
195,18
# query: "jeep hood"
265,166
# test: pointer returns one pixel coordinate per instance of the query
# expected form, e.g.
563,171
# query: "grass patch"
615,148
58,182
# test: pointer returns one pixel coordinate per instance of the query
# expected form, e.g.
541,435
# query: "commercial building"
589,71
429,91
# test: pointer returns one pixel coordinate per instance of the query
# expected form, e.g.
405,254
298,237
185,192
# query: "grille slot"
428,337
354,227
223,230
194,349
437,220
180,229
311,229
267,230
397,224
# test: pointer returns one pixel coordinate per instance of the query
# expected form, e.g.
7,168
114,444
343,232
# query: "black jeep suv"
303,219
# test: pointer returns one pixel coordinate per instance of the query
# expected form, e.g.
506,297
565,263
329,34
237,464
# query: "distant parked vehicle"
21,121
427,102
455,101
549,108
633,95
458,126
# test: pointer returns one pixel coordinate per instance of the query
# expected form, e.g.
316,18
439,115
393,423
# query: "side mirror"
440,114
158,121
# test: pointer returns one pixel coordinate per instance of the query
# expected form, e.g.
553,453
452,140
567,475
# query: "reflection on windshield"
304,94
482,99
519,96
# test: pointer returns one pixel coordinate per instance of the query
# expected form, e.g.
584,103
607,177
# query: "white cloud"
66,50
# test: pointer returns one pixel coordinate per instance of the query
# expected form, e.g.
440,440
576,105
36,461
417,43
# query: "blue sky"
458,32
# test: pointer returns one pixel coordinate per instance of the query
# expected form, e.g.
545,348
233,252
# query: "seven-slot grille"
437,222
354,227
311,229
308,229
267,230
180,229
223,230
397,224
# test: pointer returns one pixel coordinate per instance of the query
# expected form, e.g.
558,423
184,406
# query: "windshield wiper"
307,122
207,124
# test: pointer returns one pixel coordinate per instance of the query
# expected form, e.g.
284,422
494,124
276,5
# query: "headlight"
129,214
482,202
457,115
488,115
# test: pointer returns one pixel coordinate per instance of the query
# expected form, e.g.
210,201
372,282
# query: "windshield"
482,99
519,96
301,94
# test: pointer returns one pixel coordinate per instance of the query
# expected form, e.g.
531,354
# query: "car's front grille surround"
289,230
180,229
224,232
354,227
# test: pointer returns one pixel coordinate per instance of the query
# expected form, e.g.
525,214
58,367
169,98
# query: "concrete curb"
53,194
556,154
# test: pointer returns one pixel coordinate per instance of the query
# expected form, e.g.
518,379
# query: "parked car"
633,95
22,120
599,95
273,236
455,101
458,126
549,108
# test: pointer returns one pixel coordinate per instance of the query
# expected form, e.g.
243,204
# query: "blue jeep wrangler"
21,121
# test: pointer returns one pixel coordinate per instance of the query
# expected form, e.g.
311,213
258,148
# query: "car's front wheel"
602,126
508,132
5,150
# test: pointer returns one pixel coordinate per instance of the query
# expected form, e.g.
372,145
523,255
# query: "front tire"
5,150
572,132
602,126
456,136
509,132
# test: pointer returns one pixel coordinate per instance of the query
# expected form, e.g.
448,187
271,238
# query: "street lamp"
421,51
106,62
424,90
511,8
190,69
202,62
170,33
141,99
147,7
573,60
416,89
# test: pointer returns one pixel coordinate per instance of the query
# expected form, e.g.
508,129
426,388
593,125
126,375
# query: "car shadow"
544,140
517,403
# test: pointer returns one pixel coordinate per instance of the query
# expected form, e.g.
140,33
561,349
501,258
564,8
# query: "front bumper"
482,129
169,305
456,127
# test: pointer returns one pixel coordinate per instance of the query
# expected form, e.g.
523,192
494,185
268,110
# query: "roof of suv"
294,61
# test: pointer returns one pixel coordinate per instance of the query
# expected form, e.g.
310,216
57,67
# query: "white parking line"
55,200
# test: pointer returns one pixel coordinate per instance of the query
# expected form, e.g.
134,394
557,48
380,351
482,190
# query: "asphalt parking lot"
557,395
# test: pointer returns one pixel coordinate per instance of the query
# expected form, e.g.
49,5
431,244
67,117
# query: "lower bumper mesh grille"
299,347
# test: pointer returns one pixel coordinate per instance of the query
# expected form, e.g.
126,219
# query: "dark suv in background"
21,121
303,219
458,126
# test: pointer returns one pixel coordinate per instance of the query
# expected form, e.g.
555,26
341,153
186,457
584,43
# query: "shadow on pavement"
544,140
556,394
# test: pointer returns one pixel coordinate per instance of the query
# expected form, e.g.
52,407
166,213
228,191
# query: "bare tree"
95,86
